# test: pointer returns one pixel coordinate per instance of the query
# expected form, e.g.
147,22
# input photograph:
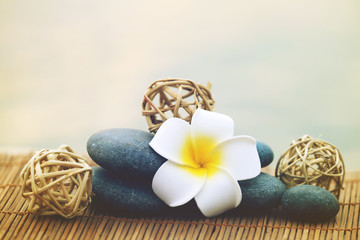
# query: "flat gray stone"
126,195
266,154
310,203
260,194
125,152
121,195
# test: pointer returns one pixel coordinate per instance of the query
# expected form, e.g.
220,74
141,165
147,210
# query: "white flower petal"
211,124
221,192
240,157
171,139
177,184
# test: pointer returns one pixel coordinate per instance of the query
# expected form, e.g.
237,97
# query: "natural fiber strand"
312,162
346,213
351,210
177,98
201,223
57,182
16,223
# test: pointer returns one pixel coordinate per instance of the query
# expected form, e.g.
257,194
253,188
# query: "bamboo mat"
16,223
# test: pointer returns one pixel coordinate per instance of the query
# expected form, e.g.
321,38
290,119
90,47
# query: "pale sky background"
280,68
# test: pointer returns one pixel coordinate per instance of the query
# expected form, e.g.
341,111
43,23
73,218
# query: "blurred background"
280,69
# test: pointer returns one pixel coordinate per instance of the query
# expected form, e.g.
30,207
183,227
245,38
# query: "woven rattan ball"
312,162
179,98
57,182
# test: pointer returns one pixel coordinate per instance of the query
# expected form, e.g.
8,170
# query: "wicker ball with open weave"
57,182
174,98
312,162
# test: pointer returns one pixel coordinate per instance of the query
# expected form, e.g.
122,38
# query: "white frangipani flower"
204,162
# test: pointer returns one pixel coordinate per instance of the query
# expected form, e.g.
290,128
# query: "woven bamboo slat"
17,223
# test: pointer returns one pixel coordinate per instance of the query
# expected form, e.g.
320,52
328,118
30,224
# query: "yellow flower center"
198,153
